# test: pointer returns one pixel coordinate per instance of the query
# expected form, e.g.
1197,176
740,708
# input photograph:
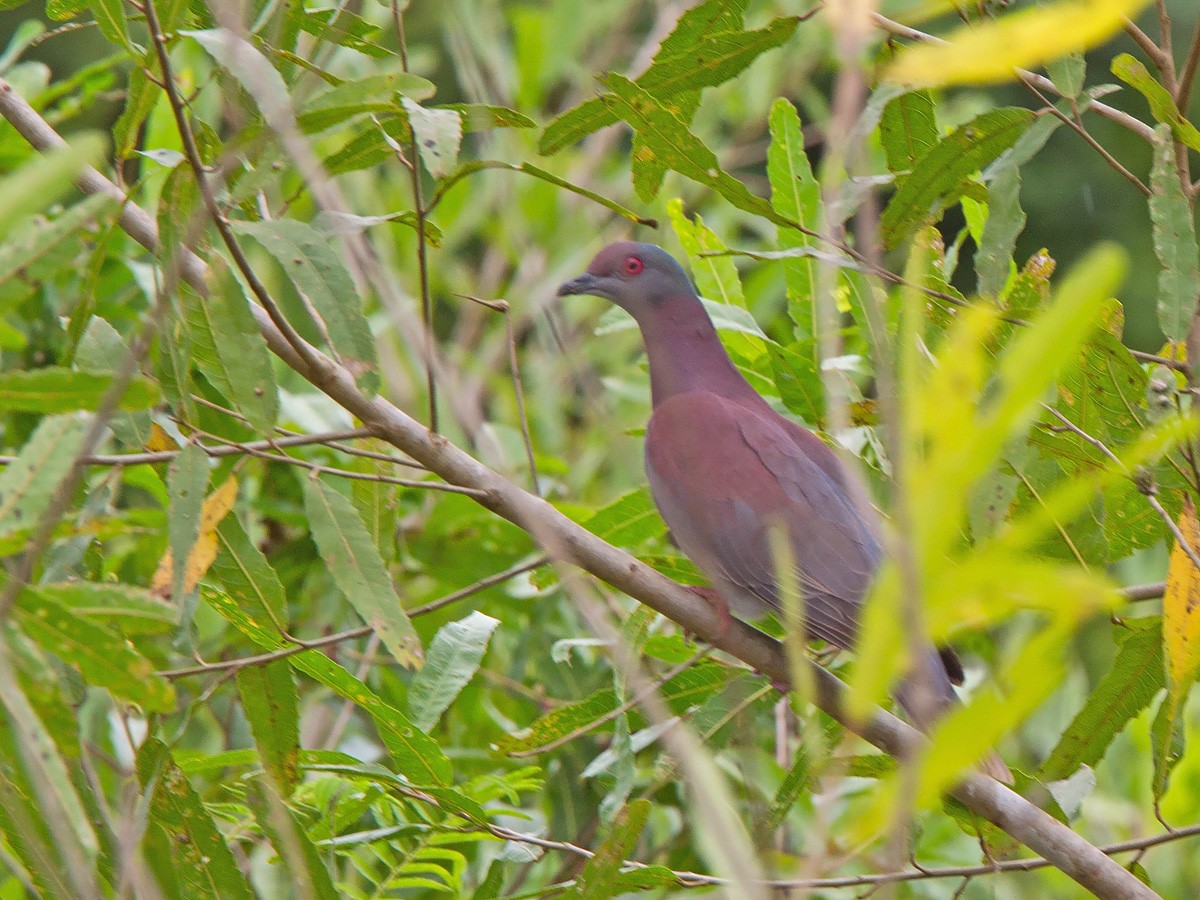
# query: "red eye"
633,265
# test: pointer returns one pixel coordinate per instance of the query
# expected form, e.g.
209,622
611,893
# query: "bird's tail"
926,695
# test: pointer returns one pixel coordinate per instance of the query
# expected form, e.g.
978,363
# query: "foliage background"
341,771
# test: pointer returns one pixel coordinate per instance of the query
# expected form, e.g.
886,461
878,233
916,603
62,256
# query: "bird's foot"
719,606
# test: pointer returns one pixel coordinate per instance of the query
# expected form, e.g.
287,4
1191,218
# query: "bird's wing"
723,473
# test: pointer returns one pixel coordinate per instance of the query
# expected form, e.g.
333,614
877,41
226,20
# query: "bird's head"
637,277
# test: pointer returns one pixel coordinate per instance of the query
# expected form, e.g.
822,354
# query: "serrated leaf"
56,390
38,238
131,609
54,798
991,51
453,658
1006,219
1125,690
187,481
716,277
204,550
689,688
940,177
269,699
103,658
595,882
140,96
230,350
1174,233
344,28
438,133
110,17
46,179
907,131
796,195
1181,609
666,141
416,756
307,873
201,860
28,483
707,47
246,573
628,521
314,267
358,570
374,94
485,116
1162,105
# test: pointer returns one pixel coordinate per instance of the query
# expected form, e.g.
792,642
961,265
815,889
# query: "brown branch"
1183,93
1150,591
573,544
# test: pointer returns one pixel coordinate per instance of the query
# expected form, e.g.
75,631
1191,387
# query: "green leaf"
595,882
302,861
687,689
129,609
1162,105
344,28
46,179
357,569
1168,741
54,799
245,572
315,268
36,239
105,659
907,131
28,483
230,350
416,755
187,482
269,698
941,176
110,17
707,47
666,141
55,390
716,277
485,116
1174,233
200,859
796,195
1125,690
628,521
372,94
1006,219
438,133
453,658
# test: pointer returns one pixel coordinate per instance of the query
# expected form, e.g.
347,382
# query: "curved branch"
569,542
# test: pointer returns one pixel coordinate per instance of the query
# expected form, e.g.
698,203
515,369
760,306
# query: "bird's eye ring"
633,265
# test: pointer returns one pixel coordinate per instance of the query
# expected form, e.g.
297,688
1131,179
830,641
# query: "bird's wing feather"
722,473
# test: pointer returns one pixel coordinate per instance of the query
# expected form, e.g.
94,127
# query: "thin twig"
502,307
1183,93
1150,591
414,169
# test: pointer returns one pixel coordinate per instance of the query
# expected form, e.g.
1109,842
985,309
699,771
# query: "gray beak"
584,284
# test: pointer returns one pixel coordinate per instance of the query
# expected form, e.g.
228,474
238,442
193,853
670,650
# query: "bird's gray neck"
685,353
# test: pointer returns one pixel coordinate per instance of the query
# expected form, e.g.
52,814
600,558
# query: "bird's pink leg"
720,607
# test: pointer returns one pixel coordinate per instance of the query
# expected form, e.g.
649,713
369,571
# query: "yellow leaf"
160,440
992,52
216,506
1181,608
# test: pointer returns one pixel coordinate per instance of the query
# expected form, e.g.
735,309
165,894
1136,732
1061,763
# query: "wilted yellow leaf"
216,506
993,51
160,440
1181,608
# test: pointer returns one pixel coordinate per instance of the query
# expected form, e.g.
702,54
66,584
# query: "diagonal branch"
571,543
